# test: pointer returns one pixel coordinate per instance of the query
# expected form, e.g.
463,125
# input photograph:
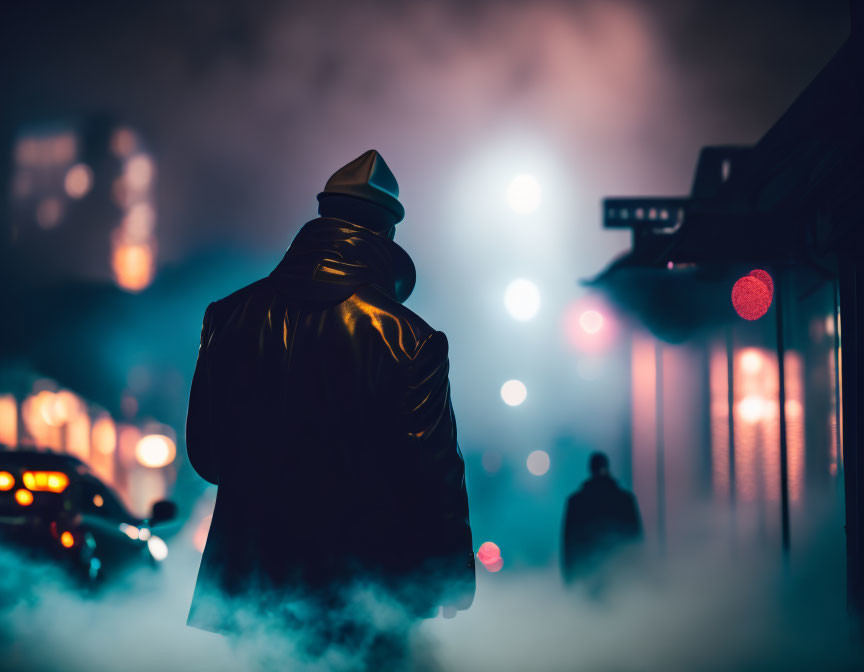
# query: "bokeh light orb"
514,392
538,462
765,277
489,552
155,450
524,194
67,540
753,408
78,180
591,321
24,497
751,297
495,566
751,361
7,481
158,548
522,299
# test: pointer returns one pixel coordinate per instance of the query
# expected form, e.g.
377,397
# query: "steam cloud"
705,607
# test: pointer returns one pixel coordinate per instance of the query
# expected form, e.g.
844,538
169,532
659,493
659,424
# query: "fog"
705,606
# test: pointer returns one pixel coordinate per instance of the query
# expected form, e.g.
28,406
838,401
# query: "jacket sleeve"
430,426
200,446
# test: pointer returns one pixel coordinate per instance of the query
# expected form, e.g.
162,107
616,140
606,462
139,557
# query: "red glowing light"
765,277
495,566
489,553
751,297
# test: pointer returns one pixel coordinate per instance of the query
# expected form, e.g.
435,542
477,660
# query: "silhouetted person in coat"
599,518
320,406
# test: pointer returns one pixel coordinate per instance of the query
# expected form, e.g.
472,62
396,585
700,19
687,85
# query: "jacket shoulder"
238,297
391,318
242,294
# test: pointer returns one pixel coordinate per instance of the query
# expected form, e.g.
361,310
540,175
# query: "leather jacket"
320,405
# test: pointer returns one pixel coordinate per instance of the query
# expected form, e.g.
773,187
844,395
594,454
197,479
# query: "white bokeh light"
513,392
524,194
538,462
522,299
752,409
158,548
155,450
591,321
751,361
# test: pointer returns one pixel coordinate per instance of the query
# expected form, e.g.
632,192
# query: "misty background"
247,108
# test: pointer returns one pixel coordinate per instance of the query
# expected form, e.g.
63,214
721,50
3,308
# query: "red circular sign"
751,297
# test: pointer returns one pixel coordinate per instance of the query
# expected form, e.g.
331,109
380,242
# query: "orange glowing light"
751,361
45,481
7,480
67,540
64,407
104,435
155,450
97,500
24,497
8,420
133,266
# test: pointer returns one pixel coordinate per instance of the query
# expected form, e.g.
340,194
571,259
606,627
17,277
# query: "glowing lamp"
752,295
7,481
158,548
45,481
522,299
133,265
751,361
514,392
155,450
67,540
524,194
538,462
752,409
24,497
488,553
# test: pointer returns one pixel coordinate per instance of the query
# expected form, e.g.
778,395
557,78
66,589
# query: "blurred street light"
513,392
524,194
522,299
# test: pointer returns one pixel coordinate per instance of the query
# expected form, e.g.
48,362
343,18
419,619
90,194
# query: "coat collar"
330,259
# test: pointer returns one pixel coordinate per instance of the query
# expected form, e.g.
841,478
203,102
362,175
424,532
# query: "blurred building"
135,457
746,287
81,204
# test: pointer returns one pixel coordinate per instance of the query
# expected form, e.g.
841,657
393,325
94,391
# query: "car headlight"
158,548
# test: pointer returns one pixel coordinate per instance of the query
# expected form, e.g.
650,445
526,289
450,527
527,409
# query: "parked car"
52,506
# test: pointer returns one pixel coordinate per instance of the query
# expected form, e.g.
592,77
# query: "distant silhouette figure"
320,405
599,518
